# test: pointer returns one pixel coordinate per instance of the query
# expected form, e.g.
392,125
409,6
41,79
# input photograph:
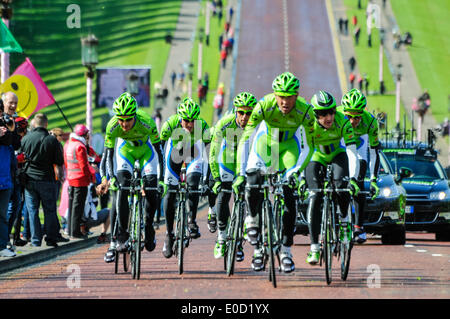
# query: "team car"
385,215
427,188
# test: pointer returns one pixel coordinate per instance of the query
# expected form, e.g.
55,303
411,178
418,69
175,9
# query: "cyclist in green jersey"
280,128
222,160
365,127
137,139
185,136
334,143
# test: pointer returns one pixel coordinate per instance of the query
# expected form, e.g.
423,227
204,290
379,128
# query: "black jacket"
43,151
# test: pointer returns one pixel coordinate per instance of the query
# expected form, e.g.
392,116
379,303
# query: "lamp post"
397,95
6,14
89,59
200,53
380,71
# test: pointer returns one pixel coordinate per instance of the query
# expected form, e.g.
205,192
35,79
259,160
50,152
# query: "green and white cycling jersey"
366,133
172,129
330,142
135,144
366,138
223,151
181,146
279,140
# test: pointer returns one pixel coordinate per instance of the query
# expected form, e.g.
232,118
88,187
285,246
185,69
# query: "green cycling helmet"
244,99
323,102
354,101
286,84
188,109
125,105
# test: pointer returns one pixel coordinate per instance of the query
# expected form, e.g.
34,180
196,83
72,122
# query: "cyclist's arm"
109,154
352,153
214,153
159,150
374,163
102,166
244,143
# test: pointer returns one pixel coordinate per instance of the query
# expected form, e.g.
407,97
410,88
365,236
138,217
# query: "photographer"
7,127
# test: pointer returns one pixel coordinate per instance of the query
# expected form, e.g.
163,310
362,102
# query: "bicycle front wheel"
327,240
181,233
270,240
233,239
346,245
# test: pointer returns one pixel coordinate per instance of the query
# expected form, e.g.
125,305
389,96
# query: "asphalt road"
420,269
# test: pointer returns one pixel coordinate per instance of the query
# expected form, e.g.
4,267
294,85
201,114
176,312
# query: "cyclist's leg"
193,181
254,199
125,161
315,173
360,204
150,163
171,178
212,210
340,171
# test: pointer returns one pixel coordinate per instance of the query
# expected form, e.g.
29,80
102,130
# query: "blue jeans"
44,192
14,205
4,199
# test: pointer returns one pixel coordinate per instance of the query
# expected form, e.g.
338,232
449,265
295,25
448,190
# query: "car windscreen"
422,168
384,168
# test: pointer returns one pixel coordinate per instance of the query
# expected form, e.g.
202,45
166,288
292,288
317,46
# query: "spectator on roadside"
16,203
79,175
220,41
94,218
230,13
360,82
201,93
346,26
445,127
341,25
6,133
352,62
223,57
354,20
206,82
43,151
357,34
173,77
366,84
351,79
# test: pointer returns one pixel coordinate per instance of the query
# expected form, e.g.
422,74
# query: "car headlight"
440,195
389,192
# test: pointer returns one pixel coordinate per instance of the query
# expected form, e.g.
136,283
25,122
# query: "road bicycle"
336,238
235,231
270,239
136,222
182,238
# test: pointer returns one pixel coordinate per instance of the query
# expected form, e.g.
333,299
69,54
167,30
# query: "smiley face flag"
31,91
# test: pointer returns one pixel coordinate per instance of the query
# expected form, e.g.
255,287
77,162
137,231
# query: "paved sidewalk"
180,54
410,87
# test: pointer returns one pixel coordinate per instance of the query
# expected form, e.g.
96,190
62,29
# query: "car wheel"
395,237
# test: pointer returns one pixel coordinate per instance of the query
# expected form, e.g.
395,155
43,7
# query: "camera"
7,119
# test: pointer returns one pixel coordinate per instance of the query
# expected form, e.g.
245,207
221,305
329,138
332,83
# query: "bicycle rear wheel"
270,241
327,240
138,239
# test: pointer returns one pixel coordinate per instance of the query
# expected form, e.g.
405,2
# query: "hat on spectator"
81,130
21,122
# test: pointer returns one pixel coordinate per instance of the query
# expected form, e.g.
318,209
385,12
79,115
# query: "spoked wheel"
233,241
181,234
270,242
346,250
116,262
328,245
126,261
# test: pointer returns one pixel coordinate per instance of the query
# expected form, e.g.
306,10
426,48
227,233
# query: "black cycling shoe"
193,230
168,246
150,240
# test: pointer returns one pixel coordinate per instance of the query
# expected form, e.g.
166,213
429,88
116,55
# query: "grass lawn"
129,33
428,22
368,62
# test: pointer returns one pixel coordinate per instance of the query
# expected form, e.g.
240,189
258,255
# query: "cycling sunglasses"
353,116
126,119
188,120
325,112
241,112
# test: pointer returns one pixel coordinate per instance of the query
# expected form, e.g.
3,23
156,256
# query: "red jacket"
79,172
